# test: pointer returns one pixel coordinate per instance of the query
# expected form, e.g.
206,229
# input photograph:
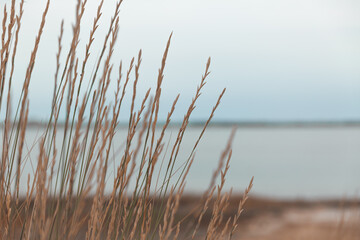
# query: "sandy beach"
301,220
293,219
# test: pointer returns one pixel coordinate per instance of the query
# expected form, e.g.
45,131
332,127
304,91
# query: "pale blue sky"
279,59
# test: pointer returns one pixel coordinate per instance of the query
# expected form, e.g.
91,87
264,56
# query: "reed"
66,197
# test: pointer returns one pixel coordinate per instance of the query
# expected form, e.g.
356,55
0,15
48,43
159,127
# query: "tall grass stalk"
66,197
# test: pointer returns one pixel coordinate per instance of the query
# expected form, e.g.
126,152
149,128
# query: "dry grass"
65,197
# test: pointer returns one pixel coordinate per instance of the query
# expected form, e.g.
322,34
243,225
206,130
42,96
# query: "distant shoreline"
240,124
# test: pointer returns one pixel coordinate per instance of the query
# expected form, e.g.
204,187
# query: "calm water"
290,162
310,162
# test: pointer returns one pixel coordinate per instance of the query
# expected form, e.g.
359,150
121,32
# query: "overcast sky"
279,59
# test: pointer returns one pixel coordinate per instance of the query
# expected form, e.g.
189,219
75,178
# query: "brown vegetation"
65,196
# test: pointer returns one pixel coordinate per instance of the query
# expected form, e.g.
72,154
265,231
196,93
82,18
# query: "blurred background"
291,69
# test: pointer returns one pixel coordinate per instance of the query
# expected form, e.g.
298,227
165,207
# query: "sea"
287,162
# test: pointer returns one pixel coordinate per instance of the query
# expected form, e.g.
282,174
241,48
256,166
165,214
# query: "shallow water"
287,162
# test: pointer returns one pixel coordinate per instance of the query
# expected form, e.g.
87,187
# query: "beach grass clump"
65,195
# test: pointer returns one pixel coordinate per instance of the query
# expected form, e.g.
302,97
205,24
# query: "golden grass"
66,197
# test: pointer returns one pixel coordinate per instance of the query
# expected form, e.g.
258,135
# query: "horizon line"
224,123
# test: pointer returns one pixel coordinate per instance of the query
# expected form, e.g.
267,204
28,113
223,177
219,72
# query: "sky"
280,60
